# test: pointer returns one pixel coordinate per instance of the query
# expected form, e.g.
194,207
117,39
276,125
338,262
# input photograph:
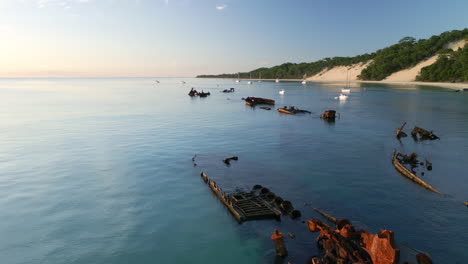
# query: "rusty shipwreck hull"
408,174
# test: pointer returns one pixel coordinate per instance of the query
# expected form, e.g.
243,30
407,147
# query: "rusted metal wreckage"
194,92
328,115
343,244
259,203
228,160
417,133
253,101
292,110
230,90
397,161
243,206
422,134
400,133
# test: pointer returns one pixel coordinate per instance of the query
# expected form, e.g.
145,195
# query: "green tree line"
451,66
405,54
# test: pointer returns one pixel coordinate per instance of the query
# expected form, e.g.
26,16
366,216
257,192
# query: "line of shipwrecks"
399,159
329,115
339,241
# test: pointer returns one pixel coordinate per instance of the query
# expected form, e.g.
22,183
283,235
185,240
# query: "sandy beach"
340,81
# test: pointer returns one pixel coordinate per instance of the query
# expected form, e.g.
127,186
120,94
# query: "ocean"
101,171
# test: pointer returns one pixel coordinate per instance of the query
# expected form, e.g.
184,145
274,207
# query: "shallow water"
100,170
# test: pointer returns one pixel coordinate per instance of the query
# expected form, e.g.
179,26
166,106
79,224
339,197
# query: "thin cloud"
62,3
221,7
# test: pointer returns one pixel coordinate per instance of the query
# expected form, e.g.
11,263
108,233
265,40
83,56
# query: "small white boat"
237,81
304,82
182,82
345,90
249,82
277,80
281,92
342,97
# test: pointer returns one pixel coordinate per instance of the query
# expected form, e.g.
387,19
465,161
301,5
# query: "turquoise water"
100,170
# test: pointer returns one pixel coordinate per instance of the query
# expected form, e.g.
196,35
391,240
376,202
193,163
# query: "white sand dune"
339,73
407,75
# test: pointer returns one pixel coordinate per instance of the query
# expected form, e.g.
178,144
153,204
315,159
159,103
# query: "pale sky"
157,38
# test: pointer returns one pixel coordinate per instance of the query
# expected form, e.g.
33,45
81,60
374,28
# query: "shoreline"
452,86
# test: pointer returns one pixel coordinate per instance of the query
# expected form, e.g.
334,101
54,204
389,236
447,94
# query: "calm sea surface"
100,170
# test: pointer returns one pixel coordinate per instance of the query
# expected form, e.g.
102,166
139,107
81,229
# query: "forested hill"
451,66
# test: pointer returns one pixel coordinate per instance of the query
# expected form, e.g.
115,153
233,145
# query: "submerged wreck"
244,206
328,115
341,243
292,110
422,134
400,133
194,92
253,101
230,90
397,161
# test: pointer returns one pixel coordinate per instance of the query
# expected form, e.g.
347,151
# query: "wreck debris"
193,160
265,108
338,248
423,134
202,94
345,245
400,133
327,216
292,110
228,160
397,160
411,159
380,247
194,92
423,259
253,101
278,241
465,203
328,115
230,90
277,202
243,206
428,165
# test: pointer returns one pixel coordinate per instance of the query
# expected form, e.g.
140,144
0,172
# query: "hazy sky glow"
106,38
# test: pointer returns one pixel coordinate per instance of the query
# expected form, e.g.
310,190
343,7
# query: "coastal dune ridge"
403,77
440,60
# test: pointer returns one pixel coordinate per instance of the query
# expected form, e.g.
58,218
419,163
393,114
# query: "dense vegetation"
296,70
451,66
406,53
